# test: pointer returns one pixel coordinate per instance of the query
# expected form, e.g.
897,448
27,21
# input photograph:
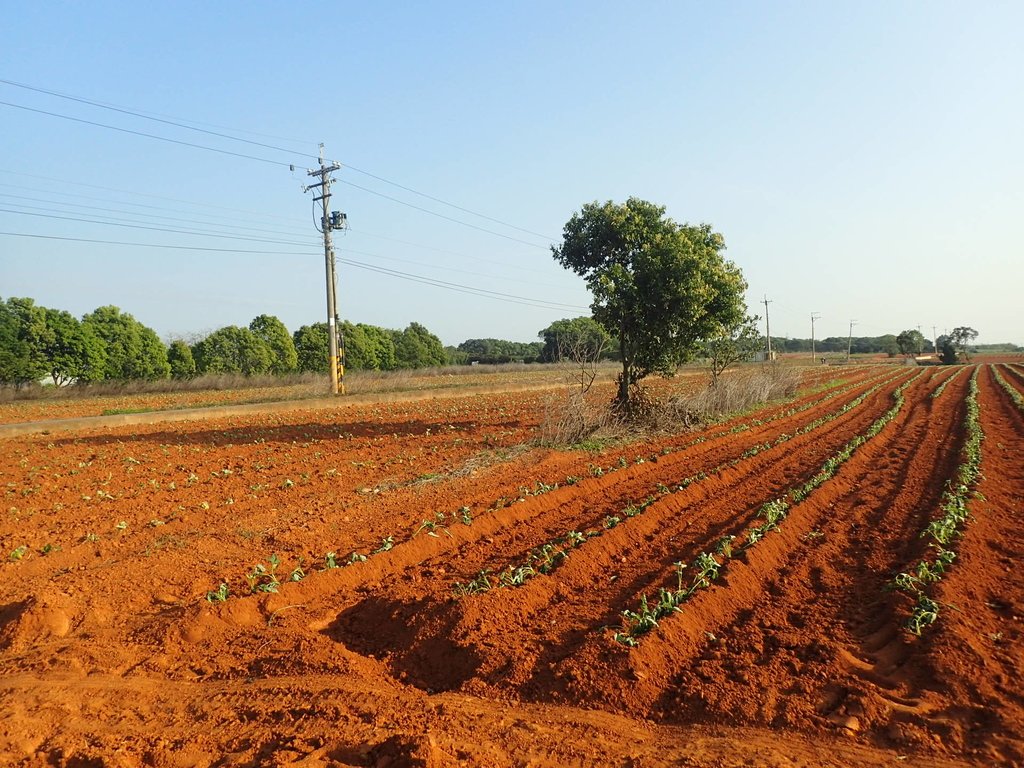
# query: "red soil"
111,655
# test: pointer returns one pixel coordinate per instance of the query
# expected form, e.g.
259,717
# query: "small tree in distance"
179,356
660,288
732,345
960,338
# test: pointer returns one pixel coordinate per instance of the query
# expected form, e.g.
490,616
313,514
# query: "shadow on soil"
413,639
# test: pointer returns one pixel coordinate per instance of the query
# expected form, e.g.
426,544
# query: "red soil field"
133,628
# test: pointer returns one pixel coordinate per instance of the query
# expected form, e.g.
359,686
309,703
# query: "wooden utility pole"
767,328
329,221
814,316
849,341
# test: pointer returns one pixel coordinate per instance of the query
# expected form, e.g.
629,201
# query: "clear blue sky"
862,160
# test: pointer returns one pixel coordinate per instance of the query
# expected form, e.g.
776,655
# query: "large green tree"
133,350
579,338
181,360
380,348
22,330
272,331
661,288
416,347
961,338
73,352
311,348
233,350
910,342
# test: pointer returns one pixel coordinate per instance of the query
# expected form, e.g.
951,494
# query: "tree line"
38,342
107,344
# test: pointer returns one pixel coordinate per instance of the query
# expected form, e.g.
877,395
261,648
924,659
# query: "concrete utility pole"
814,316
849,341
330,221
920,340
935,339
767,328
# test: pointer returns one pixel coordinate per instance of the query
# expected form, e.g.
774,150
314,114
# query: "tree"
416,347
732,345
179,357
22,328
661,288
133,351
72,350
380,347
960,338
311,348
233,350
569,334
284,358
889,344
910,342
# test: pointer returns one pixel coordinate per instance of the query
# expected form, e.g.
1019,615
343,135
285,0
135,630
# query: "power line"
144,116
526,300
457,287
152,245
439,215
147,135
125,111
146,194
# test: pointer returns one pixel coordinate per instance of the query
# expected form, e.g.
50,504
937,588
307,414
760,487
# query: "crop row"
943,531
544,558
1011,390
942,387
707,566
541,559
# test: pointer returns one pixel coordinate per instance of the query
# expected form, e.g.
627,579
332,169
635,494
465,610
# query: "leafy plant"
220,594
262,578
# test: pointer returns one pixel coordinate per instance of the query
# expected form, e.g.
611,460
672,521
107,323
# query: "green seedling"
220,594
386,544
465,516
330,560
925,613
356,557
611,521
18,553
264,579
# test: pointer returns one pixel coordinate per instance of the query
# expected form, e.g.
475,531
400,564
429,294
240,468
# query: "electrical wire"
146,135
456,287
144,116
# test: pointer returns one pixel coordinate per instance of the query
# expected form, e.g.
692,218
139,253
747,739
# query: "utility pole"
919,340
330,221
767,327
935,339
849,341
814,316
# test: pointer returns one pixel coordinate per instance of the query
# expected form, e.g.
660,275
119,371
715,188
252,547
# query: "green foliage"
311,348
416,347
910,342
22,328
579,339
233,350
132,350
72,350
179,357
273,333
960,338
496,351
660,287
732,344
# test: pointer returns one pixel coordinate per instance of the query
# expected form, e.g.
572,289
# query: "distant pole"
919,340
935,339
329,222
814,316
849,341
767,327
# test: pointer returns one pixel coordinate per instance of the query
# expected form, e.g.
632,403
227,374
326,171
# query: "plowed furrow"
510,534
975,652
847,541
680,638
550,617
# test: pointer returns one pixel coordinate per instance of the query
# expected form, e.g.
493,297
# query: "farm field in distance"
417,583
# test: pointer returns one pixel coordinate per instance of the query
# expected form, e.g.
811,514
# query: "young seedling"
18,553
220,594
262,578
385,545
